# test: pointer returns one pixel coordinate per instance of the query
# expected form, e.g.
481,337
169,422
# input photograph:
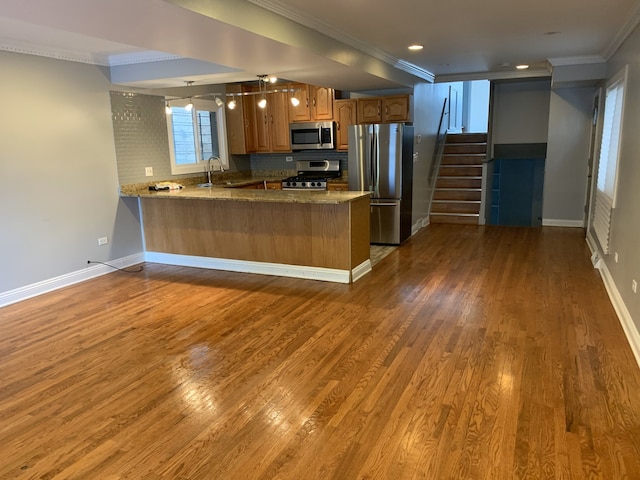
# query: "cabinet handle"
314,101
272,119
386,110
338,125
378,110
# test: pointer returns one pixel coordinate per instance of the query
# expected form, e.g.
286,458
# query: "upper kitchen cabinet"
395,109
278,107
240,130
346,114
369,110
301,112
383,109
269,125
314,103
322,103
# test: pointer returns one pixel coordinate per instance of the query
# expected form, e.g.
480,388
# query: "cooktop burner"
312,175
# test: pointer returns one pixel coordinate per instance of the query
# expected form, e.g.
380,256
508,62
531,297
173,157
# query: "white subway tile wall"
140,136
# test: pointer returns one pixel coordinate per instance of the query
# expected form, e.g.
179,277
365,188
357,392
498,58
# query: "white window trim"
620,77
201,166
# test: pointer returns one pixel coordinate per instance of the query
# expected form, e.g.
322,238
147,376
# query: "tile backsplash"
140,136
141,140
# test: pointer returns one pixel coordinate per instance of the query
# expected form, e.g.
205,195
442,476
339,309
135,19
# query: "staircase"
456,198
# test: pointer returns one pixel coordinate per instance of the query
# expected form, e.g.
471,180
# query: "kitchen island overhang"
321,235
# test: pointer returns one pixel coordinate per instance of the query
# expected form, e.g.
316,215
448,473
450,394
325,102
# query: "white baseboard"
420,224
555,222
361,270
91,271
245,266
630,330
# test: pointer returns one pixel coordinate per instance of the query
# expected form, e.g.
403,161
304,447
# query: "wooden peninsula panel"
334,236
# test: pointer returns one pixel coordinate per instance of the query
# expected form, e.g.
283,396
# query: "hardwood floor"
467,353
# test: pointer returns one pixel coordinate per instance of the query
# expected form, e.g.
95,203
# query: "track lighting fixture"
232,100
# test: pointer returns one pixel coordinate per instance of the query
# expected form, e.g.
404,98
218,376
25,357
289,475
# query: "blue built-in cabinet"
517,185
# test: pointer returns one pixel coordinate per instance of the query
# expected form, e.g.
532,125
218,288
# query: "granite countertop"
227,186
222,192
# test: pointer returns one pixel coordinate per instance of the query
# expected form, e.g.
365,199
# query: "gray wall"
427,107
520,112
565,181
58,169
625,230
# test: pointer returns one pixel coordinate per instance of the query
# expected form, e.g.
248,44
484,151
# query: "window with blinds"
607,180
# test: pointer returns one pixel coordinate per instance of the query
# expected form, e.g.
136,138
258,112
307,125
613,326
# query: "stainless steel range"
312,175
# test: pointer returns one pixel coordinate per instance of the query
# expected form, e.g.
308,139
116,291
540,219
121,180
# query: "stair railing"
438,151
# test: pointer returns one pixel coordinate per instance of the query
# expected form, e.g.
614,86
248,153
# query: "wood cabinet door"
240,124
369,110
262,127
250,119
271,185
301,112
321,103
278,106
338,186
346,115
395,109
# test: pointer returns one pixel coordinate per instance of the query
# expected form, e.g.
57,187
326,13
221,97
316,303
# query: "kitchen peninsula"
321,235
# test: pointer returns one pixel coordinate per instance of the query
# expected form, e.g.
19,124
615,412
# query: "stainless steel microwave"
312,135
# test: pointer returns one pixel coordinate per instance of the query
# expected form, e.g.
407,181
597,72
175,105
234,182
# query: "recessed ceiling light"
415,47
522,67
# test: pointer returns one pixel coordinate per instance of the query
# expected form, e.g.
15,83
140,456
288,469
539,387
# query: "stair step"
467,138
459,182
468,219
460,159
465,148
461,171
470,194
439,206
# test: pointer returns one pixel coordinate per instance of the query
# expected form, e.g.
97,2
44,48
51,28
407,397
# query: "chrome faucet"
209,167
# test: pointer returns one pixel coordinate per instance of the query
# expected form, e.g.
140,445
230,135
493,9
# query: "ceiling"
346,44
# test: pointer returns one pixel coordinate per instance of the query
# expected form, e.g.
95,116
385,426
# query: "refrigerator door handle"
380,204
372,171
375,160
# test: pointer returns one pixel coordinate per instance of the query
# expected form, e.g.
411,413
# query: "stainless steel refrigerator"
381,161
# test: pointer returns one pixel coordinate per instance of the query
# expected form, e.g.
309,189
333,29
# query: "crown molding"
507,75
102,60
633,20
278,8
580,60
56,53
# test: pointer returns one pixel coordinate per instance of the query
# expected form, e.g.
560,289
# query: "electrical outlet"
103,241
634,286
615,256
288,158
148,171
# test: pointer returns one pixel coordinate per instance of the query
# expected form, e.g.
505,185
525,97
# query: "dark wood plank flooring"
468,353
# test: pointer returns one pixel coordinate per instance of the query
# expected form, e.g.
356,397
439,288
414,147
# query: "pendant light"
262,103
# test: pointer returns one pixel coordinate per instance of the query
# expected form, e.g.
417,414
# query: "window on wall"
607,180
195,135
